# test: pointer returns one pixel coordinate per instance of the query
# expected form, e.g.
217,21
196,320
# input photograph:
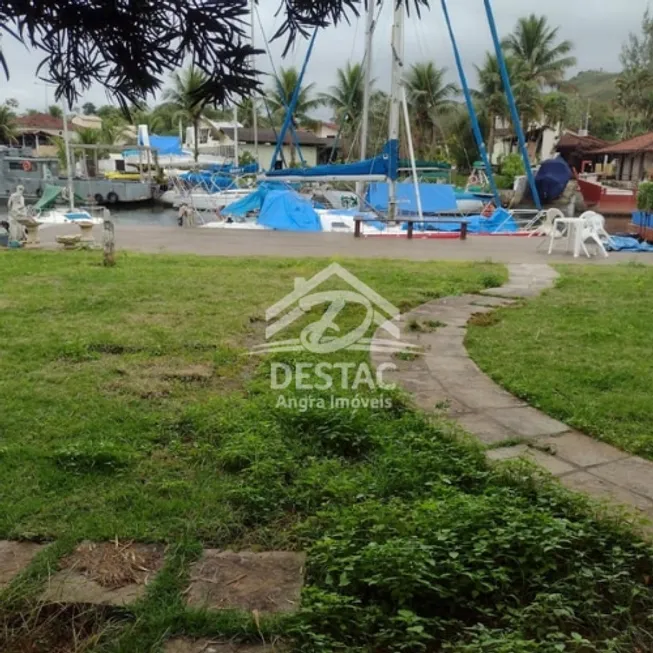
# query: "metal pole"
369,41
293,103
66,138
411,150
254,95
397,69
236,153
511,103
476,128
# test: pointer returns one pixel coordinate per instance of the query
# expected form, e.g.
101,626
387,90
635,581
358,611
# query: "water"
156,215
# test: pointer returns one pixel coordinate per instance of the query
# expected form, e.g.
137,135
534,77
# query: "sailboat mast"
395,97
69,164
367,79
369,40
254,94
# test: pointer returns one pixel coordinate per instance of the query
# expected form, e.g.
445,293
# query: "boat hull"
606,200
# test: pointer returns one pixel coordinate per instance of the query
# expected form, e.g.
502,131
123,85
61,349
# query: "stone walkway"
445,378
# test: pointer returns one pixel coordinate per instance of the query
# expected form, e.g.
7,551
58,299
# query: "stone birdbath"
86,227
31,225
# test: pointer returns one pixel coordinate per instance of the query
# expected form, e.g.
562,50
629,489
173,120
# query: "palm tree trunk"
491,135
196,137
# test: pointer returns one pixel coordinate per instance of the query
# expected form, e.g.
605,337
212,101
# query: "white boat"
202,200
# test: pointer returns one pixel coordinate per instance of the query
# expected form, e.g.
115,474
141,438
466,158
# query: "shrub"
645,197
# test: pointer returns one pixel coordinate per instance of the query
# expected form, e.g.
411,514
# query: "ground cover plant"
580,353
130,412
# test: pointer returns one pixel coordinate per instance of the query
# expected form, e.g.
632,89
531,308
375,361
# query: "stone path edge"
445,376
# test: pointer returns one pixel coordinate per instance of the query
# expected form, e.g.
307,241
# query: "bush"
512,166
645,197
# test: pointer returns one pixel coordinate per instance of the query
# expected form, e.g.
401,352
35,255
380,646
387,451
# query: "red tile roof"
643,143
38,121
569,140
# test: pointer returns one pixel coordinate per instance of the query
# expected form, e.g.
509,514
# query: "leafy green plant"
645,197
512,166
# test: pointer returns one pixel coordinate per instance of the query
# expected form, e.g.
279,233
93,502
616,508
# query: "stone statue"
16,207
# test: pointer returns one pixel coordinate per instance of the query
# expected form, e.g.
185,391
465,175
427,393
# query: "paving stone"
267,582
582,450
481,300
106,573
634,474
556,466
482,394
484,428
506,453
432,401
587,483
185,645
14,557
527,422
452,366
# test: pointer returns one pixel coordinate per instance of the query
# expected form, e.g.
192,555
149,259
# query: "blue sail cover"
436,198
208,181
230,169
552,179
285,210
386,164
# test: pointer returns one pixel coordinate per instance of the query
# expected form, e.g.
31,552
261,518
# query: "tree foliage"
7,124
130,47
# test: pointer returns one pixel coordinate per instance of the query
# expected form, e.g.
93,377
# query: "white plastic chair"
547,226
594,230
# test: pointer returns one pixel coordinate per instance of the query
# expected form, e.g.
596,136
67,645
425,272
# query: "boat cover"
435,198
627,243
385,163
51,195
552,179
501,221
285,210
207,181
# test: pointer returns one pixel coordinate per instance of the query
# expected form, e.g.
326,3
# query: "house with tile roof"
634,157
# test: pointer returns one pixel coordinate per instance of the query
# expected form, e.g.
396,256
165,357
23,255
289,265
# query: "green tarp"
53,194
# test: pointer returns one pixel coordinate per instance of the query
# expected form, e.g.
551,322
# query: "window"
15,165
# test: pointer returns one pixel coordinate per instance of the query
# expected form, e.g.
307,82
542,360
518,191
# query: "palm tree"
186,94
345,99
429,97
534,43
55,111
141,115
7,125
556,108
491,94
246,112
280,95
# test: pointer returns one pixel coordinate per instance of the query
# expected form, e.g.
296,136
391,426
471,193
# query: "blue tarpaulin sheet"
627,244
552,179
500,222
383,164
207,181
435,198
285,210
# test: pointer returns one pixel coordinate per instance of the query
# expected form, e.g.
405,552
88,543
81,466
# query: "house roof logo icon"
325,336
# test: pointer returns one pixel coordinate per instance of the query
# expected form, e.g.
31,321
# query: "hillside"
593,84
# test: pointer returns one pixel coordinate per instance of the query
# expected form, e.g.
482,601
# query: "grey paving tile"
634,474
527,422
582,450
587,483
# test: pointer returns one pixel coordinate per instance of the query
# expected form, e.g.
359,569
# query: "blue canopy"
552,179
285,210
166,144
209,182
435,197
385,164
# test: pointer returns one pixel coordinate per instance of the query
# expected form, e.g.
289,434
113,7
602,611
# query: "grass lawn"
581,353
130,410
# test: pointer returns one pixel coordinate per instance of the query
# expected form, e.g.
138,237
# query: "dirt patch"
14,557
484,319
267,582
56,629
183,645
108,573
157,381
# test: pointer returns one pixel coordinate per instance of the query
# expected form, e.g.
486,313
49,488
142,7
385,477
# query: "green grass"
581,353
111,428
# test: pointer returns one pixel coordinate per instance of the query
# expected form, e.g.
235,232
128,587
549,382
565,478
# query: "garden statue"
16,207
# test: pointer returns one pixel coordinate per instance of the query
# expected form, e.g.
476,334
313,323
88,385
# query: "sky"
596,27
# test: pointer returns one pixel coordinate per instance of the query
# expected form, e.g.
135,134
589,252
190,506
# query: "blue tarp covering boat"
552,179
385,164
499,222
285,210
209,182
436,198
